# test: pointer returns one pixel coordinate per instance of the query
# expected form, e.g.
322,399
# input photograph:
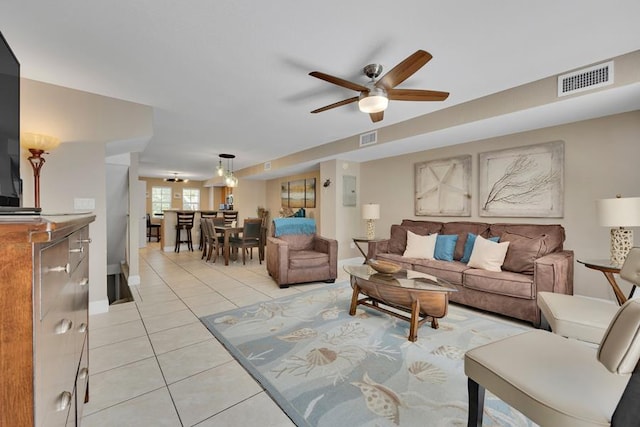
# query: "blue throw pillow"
468,246
445,246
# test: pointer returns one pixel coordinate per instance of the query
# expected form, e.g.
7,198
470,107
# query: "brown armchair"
300,257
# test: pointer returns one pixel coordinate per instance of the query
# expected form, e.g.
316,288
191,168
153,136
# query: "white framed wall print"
442,187
523,182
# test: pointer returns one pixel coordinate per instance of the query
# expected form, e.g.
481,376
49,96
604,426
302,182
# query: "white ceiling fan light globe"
373,102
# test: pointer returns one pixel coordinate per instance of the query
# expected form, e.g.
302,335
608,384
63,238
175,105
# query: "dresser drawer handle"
64,326
65,268
63,401
84,281
82,328
84,240
77,250
83,373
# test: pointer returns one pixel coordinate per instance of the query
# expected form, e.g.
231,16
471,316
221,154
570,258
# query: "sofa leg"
476,403
330,281
283,286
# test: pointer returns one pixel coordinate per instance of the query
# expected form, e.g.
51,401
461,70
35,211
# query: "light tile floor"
154,364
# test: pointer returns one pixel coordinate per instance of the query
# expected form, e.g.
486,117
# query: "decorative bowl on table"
384,267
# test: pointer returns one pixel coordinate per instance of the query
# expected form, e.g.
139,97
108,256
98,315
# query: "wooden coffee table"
424,296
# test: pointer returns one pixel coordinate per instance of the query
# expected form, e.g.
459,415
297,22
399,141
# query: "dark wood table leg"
616,289
415,320
225,247
354,298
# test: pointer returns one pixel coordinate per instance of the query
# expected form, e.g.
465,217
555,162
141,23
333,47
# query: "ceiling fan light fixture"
373,102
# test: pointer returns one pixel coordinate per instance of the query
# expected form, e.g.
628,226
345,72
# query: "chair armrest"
328,246
277,259
554,273
379,247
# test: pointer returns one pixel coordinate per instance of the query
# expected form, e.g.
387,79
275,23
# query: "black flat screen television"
10,183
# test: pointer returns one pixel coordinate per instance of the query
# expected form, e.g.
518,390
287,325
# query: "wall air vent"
585,79
369,138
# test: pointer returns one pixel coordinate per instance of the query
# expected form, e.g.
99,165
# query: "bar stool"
229,217
184,222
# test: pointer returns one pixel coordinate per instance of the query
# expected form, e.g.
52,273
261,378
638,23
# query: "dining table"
227,231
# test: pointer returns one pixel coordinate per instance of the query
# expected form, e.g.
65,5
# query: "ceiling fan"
375,95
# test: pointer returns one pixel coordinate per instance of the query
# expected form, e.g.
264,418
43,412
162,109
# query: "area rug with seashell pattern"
324,367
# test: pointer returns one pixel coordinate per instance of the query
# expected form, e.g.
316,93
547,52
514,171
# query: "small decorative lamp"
618,213
37,145
371,212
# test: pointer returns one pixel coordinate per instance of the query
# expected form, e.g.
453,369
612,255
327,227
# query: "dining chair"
153,230
207,228
184,222
205,214
217,238
250,238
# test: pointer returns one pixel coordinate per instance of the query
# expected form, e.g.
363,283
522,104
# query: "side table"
609,269
366,240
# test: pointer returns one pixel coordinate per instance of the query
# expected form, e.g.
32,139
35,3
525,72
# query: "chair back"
631,268
619,349
148,220
229,217
185,219
207,228
217,222
208,214
252,229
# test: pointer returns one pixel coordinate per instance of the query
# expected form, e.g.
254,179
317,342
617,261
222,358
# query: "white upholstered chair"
559,382
583,318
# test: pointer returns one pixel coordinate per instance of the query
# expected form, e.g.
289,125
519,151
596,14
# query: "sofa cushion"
451,271
445,246
523,251
420,246
462,228
307,259
488,255
298,242
503,283
554,232
468,246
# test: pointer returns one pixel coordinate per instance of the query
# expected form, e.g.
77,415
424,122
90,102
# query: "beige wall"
601,158
76,170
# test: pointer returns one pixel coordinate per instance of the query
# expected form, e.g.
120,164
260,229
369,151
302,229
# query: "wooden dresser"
44,298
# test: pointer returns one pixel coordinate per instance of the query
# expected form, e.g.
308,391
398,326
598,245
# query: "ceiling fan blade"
404,70
338,81
376,117
416,95
336,104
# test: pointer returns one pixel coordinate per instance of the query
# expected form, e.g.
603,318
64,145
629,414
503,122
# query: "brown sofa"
535,262
301,258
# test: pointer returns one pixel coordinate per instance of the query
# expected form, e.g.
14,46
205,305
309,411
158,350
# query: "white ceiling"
232,76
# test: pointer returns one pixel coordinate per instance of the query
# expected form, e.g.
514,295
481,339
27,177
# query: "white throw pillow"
488,255
420,246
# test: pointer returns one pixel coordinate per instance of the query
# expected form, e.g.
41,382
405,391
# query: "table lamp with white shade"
371,212
618,213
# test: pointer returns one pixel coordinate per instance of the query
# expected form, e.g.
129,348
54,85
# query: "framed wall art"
442,187
523,182
300,193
